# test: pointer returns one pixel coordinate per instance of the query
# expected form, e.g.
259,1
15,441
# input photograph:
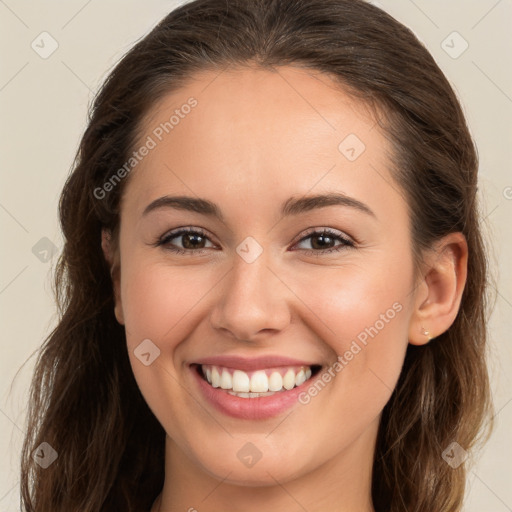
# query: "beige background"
43,106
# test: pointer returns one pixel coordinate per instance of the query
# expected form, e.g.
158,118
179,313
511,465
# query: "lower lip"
257,408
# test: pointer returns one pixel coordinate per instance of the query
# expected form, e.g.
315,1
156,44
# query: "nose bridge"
252,297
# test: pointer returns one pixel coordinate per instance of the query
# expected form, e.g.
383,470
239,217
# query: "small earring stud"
426,333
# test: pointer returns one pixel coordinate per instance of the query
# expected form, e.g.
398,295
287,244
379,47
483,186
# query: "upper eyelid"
323,229
173,233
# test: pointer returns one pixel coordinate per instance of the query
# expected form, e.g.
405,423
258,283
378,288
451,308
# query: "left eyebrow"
304,204
293,206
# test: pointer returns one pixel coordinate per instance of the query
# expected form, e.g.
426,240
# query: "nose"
253,301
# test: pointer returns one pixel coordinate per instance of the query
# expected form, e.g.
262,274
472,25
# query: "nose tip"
251,302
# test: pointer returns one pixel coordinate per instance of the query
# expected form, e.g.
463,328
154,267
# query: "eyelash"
164,241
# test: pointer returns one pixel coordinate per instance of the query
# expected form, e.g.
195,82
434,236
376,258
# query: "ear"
439,292
111,255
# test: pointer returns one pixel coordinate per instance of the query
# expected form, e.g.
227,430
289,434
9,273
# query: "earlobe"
111,256
426,333
439,295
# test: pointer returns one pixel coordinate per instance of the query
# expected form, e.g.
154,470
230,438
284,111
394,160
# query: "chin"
263,470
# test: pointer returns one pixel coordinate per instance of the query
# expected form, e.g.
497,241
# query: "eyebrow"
293,206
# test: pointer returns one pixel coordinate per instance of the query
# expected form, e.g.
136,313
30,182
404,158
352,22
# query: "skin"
255,139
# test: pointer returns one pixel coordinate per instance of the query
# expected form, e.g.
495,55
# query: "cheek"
161,303
363,317
156,299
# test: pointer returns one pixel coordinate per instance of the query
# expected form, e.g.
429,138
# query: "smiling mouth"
254,384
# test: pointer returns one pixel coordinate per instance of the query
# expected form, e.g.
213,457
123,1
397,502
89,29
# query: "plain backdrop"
47,82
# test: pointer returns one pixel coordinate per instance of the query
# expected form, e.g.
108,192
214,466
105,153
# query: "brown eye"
324,241
192,240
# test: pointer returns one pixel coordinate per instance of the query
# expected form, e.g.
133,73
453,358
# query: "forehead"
251,132
279,105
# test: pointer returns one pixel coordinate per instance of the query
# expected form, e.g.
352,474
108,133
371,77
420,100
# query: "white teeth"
240,381
289,379
259,382
275,382
215,377
250,395
226,382
300,378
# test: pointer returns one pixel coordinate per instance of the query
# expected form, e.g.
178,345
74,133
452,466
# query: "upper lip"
251,364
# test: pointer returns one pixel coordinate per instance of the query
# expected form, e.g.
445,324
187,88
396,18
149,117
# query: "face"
270,279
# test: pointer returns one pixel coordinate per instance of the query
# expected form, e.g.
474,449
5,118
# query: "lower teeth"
252,395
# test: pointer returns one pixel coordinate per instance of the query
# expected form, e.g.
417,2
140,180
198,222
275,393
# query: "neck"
341,484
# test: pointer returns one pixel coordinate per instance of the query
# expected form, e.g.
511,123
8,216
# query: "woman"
273,285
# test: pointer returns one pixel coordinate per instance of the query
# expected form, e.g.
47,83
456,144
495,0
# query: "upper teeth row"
260,381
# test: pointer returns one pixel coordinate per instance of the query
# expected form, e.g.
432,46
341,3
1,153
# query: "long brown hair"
84,400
